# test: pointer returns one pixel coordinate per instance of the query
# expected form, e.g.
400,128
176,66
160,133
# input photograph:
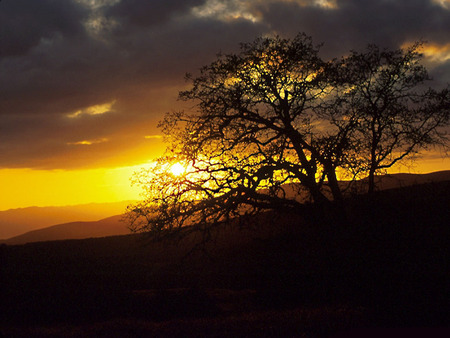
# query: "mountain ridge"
111,225
14,222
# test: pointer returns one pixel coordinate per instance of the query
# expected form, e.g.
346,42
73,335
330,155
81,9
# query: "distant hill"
383,182
110,226
15,222
86,216
403,180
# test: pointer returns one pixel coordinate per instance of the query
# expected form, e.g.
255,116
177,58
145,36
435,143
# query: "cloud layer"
83,82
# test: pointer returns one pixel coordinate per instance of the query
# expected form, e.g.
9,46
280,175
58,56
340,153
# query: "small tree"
397,116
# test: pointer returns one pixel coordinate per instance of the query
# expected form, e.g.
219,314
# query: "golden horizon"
27,187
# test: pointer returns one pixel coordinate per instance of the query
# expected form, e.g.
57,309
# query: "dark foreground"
386,266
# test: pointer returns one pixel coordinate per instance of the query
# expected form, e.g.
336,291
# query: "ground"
386,265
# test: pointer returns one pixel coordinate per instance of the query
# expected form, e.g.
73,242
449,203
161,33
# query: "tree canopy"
397,116
274,127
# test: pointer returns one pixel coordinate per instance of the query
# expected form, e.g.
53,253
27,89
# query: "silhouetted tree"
396,116
254,136
273,124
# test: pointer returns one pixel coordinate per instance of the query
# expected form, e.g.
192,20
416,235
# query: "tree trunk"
340,212
371,188
314,190
334,184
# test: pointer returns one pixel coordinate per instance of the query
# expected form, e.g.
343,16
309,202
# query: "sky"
83,83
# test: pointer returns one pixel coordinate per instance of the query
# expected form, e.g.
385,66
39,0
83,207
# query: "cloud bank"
84,82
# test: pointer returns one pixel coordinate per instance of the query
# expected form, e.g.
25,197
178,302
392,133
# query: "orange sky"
28,187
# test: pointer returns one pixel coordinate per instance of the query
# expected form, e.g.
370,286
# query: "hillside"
304,275
110,226
75,225
391,181
15,222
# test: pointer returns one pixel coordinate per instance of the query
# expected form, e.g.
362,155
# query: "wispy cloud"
88,142
437,53
93,110
443,3
227,10
152,137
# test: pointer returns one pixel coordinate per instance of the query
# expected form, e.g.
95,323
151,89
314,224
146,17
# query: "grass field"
387,265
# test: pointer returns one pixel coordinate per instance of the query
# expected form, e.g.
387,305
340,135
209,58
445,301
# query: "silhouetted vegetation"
385,109
274,126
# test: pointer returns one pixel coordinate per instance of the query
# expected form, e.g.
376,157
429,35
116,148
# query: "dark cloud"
42,142
441,74
355,23
25,23
146,13
61,57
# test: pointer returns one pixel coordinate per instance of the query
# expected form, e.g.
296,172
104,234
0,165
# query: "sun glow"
177,169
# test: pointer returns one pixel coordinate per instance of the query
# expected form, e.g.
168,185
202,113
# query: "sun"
177,169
